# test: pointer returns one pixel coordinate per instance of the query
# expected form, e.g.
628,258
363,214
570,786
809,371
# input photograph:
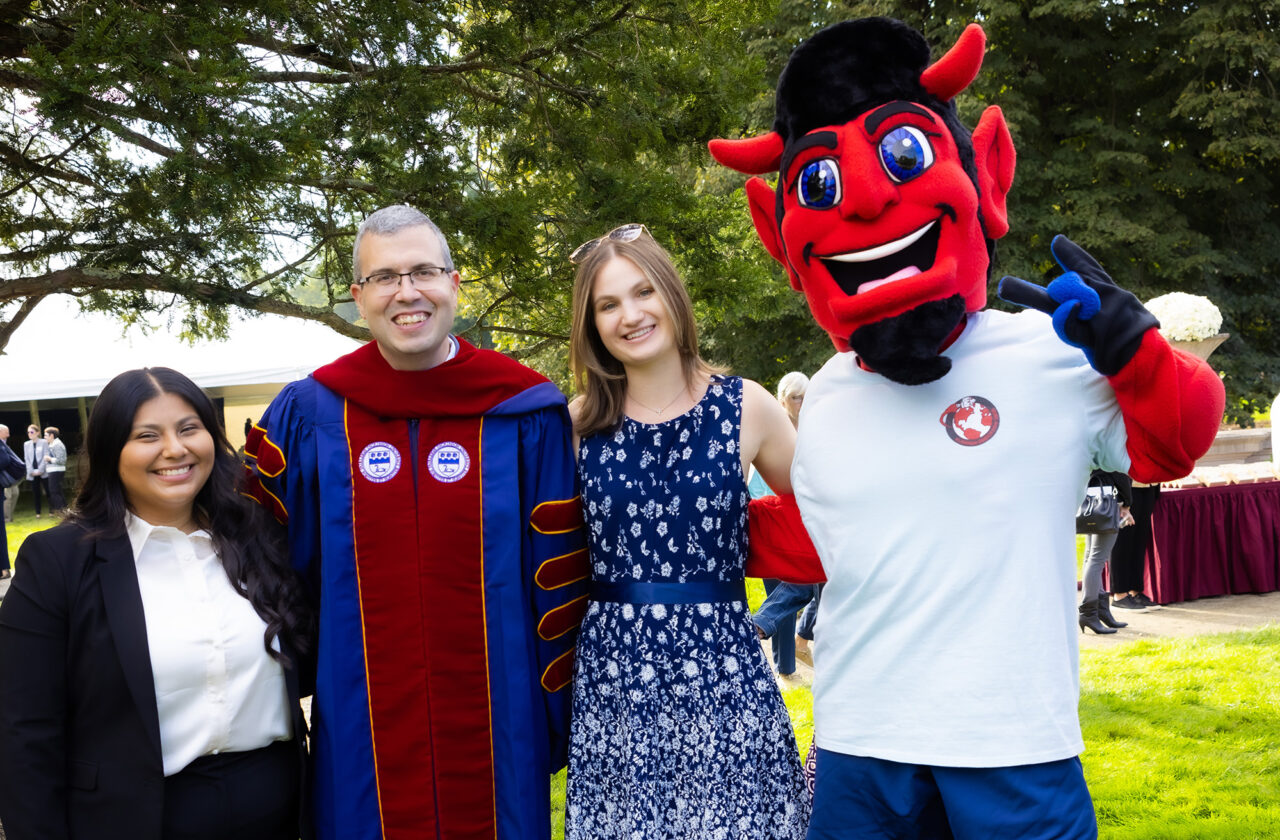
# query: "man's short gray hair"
391,220
793,383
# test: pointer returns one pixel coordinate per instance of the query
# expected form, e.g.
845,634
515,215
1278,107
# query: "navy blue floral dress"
678,727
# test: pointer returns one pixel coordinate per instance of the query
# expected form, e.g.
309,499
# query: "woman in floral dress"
678,727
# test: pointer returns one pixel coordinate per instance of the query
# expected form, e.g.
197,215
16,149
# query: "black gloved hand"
1089,310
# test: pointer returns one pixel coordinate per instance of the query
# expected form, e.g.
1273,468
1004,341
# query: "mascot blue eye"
906,153
819,184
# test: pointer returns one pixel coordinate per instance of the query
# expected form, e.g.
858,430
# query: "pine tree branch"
79,280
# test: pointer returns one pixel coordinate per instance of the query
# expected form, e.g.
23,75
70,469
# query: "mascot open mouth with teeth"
944,448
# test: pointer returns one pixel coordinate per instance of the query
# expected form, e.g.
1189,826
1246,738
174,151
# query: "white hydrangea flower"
1185,317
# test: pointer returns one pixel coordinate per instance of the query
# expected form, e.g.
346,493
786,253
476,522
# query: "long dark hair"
250,543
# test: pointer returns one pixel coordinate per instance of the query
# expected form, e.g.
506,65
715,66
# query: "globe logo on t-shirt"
379,462
971,420
448,462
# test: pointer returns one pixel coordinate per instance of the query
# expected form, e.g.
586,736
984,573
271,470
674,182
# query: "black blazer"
79,731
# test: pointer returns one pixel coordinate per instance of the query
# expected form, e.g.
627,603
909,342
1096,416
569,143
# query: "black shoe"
1128,602
1104,612
1089,618
1142,599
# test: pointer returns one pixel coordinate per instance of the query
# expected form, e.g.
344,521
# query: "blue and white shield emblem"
448,462
379,462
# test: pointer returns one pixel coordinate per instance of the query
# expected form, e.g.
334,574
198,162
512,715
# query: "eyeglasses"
622,233
421,278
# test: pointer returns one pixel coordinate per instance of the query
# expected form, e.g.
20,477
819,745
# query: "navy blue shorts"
859,797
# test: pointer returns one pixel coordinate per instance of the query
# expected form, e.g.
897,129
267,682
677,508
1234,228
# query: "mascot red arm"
885,215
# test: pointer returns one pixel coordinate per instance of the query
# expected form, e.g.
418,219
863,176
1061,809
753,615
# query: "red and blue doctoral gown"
435,516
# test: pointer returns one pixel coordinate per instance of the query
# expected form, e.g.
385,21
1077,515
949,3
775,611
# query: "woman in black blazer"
150,646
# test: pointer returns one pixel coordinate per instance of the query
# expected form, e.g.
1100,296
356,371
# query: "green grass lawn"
1182,736
25,523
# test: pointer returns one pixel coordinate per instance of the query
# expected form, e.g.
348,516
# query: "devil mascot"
944,449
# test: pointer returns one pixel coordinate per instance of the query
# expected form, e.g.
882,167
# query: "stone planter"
1202,348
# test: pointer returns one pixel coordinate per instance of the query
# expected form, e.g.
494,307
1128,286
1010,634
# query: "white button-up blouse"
217,690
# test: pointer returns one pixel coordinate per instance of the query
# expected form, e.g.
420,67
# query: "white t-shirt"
944,515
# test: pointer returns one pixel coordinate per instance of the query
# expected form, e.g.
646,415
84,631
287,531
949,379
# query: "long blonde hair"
600,378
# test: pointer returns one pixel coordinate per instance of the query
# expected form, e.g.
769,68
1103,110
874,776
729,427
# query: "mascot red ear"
756,156
993,155
761,200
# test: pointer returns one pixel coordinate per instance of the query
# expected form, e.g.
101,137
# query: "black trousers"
53,487
37,490
235,796
1128,557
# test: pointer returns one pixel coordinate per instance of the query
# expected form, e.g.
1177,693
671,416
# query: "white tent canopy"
59,352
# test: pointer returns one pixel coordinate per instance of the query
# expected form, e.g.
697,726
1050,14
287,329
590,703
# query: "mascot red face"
886,208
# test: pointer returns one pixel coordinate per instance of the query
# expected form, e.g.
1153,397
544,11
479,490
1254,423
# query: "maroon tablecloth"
1215,541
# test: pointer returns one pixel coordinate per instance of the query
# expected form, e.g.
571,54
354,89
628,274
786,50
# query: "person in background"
153,647
1128,557
11,492
11,472
678,726
776,618
1095,605
55,467
33,454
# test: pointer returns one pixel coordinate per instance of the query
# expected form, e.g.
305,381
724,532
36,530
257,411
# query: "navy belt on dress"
693,592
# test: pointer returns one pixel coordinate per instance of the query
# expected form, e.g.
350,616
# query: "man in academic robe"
429,492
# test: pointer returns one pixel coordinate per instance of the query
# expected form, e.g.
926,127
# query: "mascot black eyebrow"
943,450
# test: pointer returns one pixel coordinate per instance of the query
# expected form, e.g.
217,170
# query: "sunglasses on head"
622,233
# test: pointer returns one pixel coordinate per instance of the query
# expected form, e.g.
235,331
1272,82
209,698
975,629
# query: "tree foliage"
212,154
205,154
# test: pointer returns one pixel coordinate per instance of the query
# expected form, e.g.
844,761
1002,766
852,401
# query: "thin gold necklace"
659,411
